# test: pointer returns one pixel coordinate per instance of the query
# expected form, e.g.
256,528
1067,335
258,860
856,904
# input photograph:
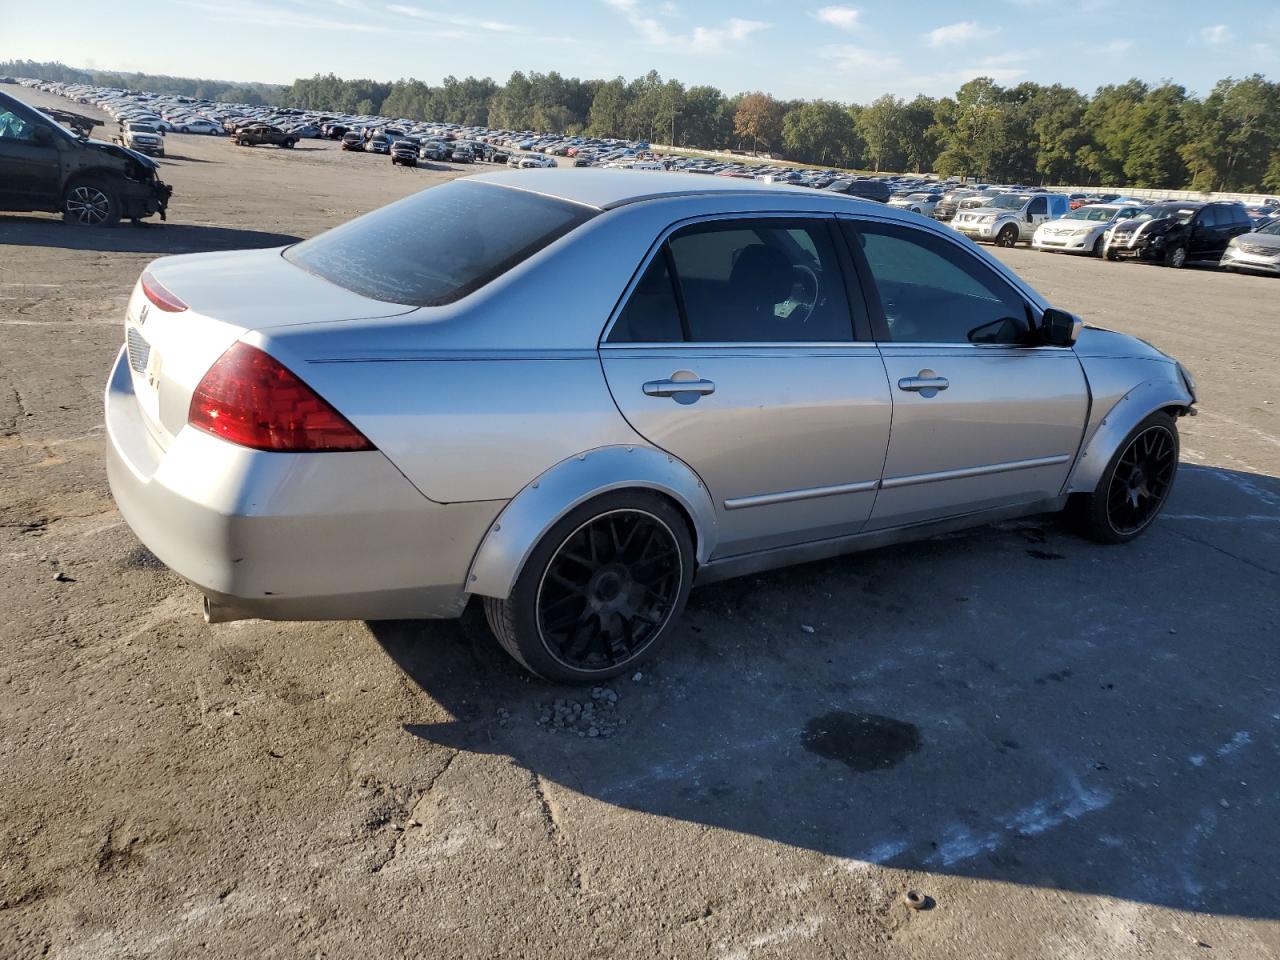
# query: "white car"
1084,229
921,203
537,160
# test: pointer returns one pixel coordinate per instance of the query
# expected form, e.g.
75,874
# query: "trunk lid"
227,295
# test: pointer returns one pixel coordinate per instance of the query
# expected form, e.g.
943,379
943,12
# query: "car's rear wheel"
600,591
91,203
1007,237
1136,484
1176,256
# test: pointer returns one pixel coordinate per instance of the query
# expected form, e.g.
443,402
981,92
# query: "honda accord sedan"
572,395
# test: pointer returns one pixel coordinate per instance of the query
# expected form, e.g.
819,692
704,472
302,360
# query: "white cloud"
850,57
1117,47
254,14
845,18
1217,35
453,20
962,32
700,40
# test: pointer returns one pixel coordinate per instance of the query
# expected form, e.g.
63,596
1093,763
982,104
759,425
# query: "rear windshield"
439,245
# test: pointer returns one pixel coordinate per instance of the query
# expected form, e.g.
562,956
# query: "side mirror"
1059,328
42,134
1031,217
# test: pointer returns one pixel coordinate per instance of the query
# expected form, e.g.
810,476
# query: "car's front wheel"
600,591
1136,484
1007,237
1176,256
90,203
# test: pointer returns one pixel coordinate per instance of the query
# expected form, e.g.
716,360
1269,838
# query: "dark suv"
45,167
865,188
1178,232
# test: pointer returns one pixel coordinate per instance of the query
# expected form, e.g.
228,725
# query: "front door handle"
926,383
682,391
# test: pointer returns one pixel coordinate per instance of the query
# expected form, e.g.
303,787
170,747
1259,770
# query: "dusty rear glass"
438,245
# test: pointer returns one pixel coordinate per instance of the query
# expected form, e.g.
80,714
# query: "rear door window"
439,245
741,281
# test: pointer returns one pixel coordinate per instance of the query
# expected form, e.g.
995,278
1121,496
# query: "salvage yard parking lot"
1069,749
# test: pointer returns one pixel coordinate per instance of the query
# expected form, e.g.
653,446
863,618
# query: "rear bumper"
289,536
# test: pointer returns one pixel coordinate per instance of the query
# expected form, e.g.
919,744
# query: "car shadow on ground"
1012,703
183,159
149,237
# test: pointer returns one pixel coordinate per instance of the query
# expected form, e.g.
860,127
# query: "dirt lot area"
1070,749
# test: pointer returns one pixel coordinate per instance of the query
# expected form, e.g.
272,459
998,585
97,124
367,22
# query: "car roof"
606,189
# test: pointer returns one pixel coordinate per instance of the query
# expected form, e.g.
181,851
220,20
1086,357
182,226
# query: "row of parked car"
1174,233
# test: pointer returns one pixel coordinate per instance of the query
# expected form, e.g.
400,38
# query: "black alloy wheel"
1007,237
91,205
609,590
1141,480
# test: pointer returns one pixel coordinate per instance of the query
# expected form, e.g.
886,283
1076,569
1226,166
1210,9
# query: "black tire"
288,144
1176,256
1008,236
90,203
615,605
1127,501
1098,246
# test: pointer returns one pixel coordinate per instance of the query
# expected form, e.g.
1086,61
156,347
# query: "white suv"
1011,217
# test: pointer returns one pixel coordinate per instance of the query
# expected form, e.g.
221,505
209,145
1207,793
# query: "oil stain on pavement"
862,741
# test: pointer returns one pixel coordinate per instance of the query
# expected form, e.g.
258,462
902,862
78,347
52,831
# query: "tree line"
1128,134
256,94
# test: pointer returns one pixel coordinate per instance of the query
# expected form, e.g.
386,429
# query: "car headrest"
761,276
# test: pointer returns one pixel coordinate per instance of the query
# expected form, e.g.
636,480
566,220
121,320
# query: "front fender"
535,509
1116,423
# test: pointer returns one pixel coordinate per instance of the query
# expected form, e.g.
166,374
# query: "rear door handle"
927,384
673,388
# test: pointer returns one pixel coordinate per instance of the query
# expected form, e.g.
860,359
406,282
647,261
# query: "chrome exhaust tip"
217,612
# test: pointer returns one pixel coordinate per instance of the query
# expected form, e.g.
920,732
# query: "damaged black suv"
43,166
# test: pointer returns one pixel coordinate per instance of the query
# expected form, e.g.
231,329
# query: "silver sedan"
574,394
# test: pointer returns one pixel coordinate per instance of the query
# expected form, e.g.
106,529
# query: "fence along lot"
1079,756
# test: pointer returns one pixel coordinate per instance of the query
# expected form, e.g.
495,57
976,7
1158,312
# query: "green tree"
703,122
821,132
918,138
881,125
609,108
1232,134
1059,133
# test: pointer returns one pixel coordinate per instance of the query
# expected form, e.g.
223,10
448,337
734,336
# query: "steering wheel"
810,290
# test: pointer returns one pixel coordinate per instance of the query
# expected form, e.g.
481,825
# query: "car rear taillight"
250,398
159,295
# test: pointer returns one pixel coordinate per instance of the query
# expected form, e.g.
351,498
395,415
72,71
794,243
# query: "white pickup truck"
143,137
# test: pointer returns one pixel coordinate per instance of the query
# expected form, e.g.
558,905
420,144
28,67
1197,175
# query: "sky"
851,52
